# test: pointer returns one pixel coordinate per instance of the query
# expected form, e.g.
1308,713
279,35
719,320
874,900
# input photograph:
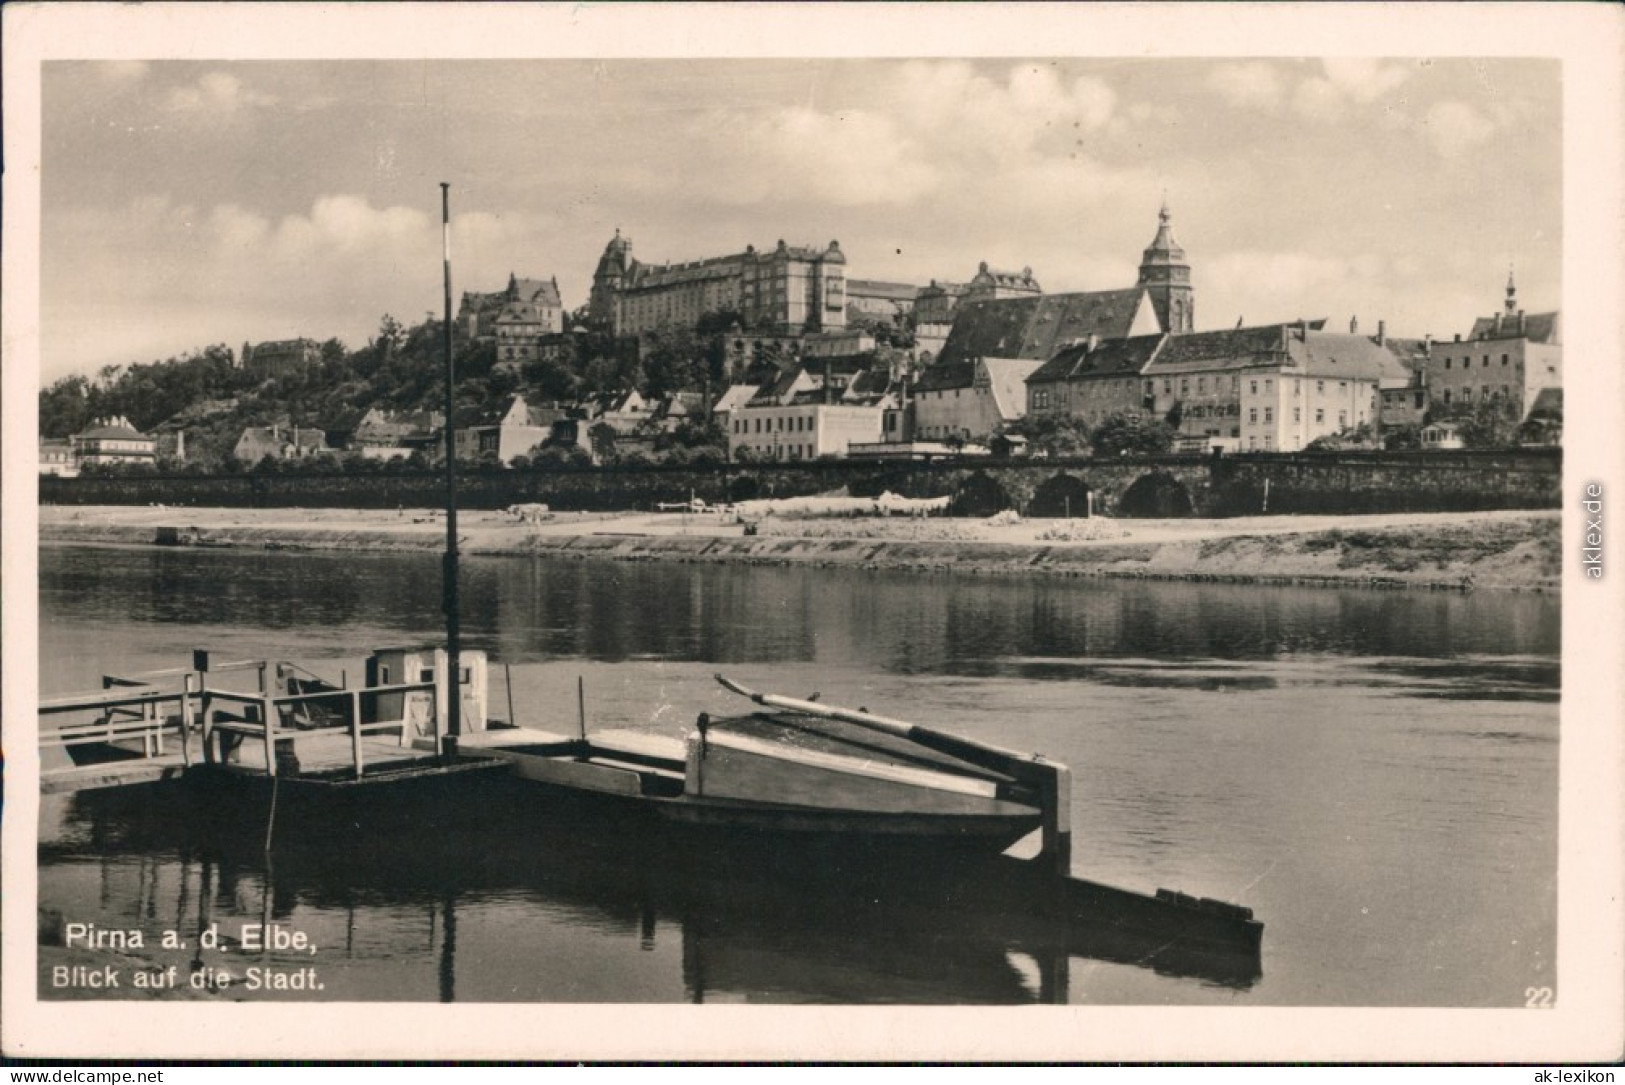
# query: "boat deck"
315,755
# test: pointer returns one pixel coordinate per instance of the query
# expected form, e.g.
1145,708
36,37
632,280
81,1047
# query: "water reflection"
546,607
1375,773
735,934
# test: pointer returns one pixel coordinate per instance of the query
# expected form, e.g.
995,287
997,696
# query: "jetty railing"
144,722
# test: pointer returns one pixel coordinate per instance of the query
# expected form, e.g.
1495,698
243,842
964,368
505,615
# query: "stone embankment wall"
1159,486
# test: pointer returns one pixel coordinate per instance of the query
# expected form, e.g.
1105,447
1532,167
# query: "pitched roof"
871,288
1109,358
1231,348
788,382
1332,354
1537,327
737,396
1549,401
1015,280
1037,327
273,437
537,291
113,428
1007,379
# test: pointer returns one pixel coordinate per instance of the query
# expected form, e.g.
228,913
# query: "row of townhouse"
1274,387
807,415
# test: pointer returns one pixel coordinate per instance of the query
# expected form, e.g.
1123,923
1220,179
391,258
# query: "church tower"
614,270
1166,276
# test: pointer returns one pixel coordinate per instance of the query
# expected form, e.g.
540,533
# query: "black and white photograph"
1054,532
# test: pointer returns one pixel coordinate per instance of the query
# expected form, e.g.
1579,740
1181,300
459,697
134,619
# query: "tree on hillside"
65,407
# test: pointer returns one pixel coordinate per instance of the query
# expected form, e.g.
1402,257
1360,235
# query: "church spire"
1166,276
1512,293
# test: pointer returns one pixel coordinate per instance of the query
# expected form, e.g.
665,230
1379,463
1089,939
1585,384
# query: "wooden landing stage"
160,725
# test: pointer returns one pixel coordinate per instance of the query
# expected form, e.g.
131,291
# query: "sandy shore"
1509,550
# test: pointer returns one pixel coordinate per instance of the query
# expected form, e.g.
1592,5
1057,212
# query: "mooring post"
268,717
355,731
186,719
1055,797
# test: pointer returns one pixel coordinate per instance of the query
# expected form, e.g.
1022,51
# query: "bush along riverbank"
1497,551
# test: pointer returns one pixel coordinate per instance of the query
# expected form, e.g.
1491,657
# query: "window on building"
1486,361
1447,363
1167,387
1201,384
1320,387
1269,384
1252,415
1320,415
1504,359
1297,414
1184,385
1466,395
1269,414
1342,419
1447,397
1252,386
1421,400
1342,386
1252,442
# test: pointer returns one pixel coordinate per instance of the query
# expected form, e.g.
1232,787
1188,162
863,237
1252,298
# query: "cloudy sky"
185,202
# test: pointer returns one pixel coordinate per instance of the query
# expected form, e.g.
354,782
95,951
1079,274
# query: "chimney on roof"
1354,324
1458,337
1382,333
1427,344
1497,323
1094,341
1522,324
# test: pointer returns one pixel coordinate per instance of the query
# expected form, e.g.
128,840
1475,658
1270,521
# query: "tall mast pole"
454,699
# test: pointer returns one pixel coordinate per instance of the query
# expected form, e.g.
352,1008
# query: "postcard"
813,532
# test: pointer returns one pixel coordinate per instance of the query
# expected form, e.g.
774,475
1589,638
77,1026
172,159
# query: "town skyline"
1399,190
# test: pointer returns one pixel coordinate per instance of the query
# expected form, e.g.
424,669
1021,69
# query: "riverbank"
1499,550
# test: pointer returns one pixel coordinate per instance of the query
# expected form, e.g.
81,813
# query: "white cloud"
1455,127
939,130
1362,78
215,94
123,72
848,158
1253,84
187,276
1347,81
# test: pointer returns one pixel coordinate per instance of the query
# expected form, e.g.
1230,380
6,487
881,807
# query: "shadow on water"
755,927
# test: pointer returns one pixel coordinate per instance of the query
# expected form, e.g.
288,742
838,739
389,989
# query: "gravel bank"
1500,550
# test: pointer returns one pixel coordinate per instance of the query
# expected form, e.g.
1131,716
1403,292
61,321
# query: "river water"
1373,773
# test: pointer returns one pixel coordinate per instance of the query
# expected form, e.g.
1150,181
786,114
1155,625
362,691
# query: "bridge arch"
979,496
1157,495
743,488
1060,495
